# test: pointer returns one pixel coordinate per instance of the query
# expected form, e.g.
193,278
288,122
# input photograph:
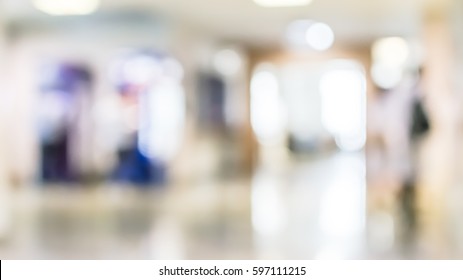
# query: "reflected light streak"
167,240
343,208
342,213
268,211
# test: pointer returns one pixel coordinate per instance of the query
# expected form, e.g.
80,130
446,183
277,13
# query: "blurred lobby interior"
231,129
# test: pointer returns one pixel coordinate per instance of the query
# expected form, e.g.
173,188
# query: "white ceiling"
353,21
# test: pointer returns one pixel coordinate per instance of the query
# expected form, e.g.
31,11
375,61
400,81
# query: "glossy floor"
331,206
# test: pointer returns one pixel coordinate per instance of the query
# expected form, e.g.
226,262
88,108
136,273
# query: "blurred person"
212,121
63,122
152,103
399,120
132,166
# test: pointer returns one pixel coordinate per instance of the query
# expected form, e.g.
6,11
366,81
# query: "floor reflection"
316,208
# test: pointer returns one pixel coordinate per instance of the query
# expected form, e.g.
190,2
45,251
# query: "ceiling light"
67,7
393,51
319,36
282,3
301,34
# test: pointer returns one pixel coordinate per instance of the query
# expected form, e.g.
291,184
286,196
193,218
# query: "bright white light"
282,3
343,107
300,88
267,112
339,213
161,121
319,36
307,33
342,213
227,62
386,76
67,7
162,107
393,51
390,56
